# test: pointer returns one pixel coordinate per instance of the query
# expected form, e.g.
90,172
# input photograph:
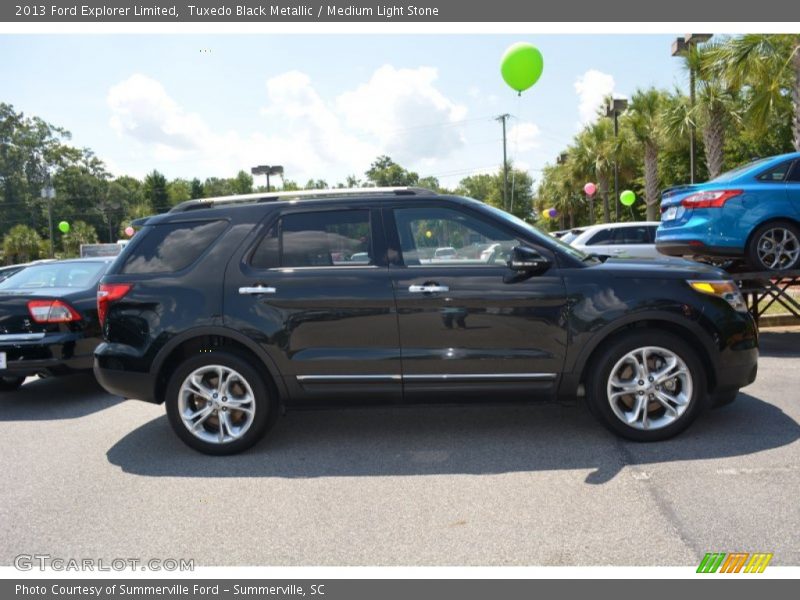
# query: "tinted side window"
317,239
602,237
631,235
442,236
171,247
776,174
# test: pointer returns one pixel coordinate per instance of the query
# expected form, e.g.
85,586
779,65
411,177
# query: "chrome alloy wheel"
649,388
216,404
778,248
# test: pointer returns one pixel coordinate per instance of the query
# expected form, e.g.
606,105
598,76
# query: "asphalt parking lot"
89,475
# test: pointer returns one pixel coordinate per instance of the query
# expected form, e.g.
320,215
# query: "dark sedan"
48,319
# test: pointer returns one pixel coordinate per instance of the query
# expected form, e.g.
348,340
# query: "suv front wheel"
648,386
218,403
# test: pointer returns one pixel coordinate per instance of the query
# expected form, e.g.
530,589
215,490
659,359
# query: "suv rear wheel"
648,386
219,404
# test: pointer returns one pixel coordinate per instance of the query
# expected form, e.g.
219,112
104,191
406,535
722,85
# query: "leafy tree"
384,172
488,188
214,186
29,147
21,244
769,65
288,186
155,192
80,233
179,190
242,183
316,184
196,189
353,181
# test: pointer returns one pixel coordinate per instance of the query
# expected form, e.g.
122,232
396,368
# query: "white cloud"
592,87
141,108
404,111
524,136
399,112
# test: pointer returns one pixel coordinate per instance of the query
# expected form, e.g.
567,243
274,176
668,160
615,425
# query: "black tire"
752,253
264,416
9,384
600,371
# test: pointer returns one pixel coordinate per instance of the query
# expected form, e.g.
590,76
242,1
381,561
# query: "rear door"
314,290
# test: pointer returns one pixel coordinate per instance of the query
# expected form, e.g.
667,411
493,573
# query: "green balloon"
521,66
63,227
627,198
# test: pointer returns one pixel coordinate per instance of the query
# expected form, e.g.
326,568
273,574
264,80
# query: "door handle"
427,288
258,289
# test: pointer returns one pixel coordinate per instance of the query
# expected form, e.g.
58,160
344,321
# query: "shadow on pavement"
425,440
781,343
54,398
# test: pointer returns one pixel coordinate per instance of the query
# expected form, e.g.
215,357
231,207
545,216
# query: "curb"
777,321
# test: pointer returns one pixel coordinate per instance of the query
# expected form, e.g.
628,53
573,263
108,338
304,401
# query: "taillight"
709,199
108,293
52,311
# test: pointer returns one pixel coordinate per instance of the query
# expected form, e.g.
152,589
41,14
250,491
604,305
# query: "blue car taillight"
709,199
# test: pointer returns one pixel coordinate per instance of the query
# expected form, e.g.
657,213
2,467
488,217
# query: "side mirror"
527,260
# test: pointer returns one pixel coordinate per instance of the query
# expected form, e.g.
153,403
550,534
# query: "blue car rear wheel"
775,246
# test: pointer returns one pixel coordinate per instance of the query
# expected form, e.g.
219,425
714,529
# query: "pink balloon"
590,189
129,231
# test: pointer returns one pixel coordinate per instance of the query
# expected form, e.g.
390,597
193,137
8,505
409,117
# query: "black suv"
231,310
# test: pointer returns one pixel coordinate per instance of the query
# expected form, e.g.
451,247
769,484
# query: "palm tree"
644,120
770,65
714,109
593,158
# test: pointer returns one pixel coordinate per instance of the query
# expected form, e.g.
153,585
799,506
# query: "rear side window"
794,175
317,239
776,174
601,238
171,247
631,235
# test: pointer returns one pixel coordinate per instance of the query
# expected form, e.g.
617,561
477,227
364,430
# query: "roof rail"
306,194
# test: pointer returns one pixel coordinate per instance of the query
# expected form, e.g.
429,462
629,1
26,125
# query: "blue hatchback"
750,213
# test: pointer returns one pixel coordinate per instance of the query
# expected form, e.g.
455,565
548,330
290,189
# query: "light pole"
680,47
48,193
614,109
267,170
503,118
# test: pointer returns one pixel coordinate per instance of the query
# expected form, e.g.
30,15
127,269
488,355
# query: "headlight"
727,290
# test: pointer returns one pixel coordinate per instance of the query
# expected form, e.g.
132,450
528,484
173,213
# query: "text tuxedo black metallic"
231,310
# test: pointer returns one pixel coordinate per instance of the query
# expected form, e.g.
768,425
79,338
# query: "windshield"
741,170
545,238
79,275
570,235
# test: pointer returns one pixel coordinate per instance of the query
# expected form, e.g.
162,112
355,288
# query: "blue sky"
322,105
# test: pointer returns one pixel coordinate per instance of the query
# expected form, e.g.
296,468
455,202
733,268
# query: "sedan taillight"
709,199
52,311
108,293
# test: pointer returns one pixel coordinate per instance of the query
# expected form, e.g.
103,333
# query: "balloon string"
516,149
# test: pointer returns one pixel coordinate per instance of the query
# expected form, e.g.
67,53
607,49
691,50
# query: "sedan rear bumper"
53,354
697,249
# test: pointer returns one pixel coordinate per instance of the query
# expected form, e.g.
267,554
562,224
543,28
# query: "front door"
467,324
